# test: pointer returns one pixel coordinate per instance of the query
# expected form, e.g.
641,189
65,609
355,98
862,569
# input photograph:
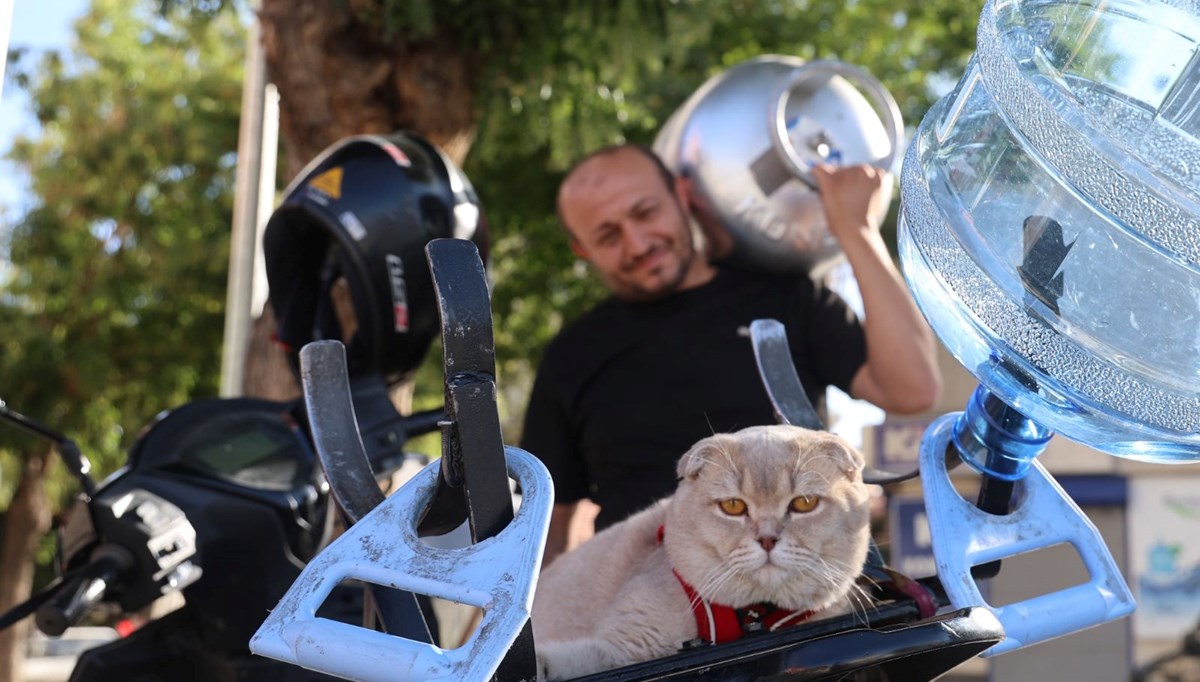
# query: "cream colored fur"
614,601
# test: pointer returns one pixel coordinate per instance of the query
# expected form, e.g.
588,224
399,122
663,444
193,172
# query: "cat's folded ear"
700,454
848,459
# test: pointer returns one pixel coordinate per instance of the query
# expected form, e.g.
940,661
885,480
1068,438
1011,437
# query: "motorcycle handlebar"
79,594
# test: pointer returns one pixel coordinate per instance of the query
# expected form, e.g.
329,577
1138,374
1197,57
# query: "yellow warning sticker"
329,183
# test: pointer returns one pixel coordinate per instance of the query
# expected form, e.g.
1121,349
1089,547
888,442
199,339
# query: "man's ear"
577,249
683,192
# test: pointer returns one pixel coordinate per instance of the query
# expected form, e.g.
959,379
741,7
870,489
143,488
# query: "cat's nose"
767,542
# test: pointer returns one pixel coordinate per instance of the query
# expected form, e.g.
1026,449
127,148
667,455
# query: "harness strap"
719,623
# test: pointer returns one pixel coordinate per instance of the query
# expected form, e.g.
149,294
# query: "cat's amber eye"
804,503
733,506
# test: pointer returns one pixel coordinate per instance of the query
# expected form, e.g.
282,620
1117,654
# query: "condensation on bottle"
1050,220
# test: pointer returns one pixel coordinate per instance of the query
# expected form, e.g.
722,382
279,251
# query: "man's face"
630,226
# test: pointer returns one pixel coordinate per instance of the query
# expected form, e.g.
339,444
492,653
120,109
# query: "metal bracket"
496,576
326,384
470,482
965,536
473,488
338,442
778,373
791,403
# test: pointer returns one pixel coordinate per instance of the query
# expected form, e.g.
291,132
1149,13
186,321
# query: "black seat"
891,647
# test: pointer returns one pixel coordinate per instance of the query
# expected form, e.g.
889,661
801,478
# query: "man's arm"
900,373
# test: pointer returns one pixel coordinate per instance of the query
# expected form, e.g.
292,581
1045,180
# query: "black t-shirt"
625,390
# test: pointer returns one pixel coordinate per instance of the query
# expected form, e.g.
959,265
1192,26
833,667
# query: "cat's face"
770,513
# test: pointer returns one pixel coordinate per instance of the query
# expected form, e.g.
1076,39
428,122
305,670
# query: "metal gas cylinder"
747,141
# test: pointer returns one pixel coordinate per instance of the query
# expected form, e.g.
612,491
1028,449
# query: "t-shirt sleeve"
834,337
548,435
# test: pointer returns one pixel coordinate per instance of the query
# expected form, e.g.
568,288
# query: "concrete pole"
266,196
253,201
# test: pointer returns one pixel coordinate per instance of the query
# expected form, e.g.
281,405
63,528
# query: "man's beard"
636,293
685,252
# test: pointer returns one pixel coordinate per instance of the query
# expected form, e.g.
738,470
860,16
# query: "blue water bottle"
1050,233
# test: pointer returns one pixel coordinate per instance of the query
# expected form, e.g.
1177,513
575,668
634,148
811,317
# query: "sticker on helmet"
399,292
397,155
329,183
353,225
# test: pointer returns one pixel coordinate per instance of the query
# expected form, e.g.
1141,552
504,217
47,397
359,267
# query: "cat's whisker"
834,573
870,601
715,570
828,579
850,600
709,588
728,457
866,578
746,557
713,579
720,465
835,564
866,595
855,600
859,597
808,475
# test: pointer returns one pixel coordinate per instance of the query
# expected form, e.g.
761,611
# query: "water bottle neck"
997,440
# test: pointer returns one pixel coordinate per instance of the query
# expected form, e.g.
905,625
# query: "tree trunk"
268,374
27,520
338,76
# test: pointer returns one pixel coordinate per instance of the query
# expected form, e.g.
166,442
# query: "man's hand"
559,536
854,197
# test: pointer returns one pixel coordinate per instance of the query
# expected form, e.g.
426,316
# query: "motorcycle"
221,501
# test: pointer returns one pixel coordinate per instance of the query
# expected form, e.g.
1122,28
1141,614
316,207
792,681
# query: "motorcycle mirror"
68,450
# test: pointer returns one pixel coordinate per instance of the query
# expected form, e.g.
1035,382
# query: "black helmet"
364,209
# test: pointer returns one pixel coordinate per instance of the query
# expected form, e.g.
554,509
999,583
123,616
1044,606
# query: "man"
625,390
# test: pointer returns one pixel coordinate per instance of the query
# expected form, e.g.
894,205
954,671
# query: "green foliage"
113,300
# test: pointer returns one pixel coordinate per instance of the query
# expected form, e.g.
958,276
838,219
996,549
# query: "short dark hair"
665,173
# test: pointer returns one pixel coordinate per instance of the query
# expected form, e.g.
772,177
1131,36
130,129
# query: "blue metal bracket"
496,575
1043,516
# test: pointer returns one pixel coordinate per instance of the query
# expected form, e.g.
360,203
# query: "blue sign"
911,544
897,443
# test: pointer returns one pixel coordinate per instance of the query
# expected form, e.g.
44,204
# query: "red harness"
719,623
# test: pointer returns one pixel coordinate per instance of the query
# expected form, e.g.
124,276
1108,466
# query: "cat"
774,514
